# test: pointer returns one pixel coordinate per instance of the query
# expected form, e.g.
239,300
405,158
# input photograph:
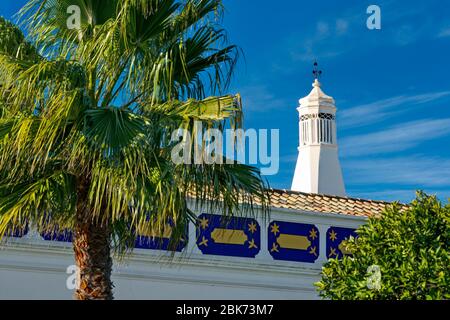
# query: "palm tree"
86,116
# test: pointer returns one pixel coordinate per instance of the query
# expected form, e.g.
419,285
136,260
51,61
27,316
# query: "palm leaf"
95,112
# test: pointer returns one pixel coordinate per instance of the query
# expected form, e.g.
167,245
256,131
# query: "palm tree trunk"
93,258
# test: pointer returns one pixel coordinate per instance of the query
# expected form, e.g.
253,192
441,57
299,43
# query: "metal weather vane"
316,72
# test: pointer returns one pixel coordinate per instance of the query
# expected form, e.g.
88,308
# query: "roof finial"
316,73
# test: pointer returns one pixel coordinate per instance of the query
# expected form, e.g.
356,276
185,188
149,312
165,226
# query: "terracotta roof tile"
311,202
326,204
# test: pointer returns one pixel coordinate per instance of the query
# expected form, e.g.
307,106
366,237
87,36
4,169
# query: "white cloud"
321,43
333,36
406,34
444,33
379,110
341,26
308,54
394,139
259,98
322,29
402,195
418,172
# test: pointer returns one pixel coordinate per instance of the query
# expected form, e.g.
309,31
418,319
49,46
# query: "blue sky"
391,86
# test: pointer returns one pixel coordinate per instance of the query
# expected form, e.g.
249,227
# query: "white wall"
31,268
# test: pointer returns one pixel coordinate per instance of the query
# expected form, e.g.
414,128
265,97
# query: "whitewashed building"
279,258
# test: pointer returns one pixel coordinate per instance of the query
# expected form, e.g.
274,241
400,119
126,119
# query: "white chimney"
318,169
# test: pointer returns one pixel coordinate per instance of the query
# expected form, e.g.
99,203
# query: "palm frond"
29,201
89,119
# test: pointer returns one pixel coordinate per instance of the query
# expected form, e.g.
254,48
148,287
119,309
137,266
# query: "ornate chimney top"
318,169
